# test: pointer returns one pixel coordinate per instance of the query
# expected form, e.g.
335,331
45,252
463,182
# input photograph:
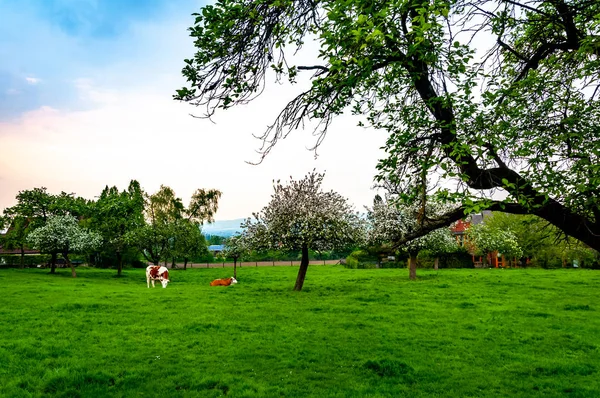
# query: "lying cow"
157,273
223,282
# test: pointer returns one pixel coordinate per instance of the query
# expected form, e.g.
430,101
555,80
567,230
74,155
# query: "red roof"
460,227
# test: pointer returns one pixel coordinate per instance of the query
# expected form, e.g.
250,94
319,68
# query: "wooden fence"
245,264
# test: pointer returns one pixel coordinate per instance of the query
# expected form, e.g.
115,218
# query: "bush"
361,259
137,263
30,261
459,259
394,264
351,262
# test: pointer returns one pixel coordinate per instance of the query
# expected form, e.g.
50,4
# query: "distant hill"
223,227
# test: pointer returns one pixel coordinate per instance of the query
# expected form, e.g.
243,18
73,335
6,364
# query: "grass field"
350,333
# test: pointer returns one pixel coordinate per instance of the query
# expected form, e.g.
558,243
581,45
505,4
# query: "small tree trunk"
22,264
303,269
185,263
173,265
66,257
119,263
235,267
412,268
436,263
53,264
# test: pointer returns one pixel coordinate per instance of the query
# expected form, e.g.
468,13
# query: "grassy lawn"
350,333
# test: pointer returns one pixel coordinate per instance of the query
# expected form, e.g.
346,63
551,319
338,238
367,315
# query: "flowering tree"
440,242
301,217
393,223
487,239
235,247
63,235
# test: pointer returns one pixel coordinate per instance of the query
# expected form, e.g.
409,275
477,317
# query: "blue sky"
86,101
45,45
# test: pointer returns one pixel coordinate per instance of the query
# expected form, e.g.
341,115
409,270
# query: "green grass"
350,333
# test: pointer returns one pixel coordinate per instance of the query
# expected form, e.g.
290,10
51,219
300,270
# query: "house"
459,232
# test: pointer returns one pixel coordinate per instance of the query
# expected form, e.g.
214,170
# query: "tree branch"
319,67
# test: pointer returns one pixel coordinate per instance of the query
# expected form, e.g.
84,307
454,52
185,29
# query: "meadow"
349,333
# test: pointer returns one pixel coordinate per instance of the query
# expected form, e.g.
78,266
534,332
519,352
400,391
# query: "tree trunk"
119,263
66,257
53,264
235,267
303,269
173,265
22,264
185,263
412,267
436,262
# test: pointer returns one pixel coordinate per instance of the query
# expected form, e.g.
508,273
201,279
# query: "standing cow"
157,273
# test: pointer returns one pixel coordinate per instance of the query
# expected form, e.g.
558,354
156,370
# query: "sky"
86,101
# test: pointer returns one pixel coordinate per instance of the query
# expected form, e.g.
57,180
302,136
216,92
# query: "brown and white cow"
223,282
157,273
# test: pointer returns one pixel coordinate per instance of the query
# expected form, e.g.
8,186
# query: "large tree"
116,214
162,209
167,231
62,234
188,241
486,95
300,216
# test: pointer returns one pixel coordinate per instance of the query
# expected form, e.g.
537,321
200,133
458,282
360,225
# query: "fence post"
223,264
256,263
291,263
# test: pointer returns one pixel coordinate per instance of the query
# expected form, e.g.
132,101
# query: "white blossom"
486,240
62,234
390,223
301,214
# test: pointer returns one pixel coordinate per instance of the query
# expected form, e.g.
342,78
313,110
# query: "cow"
223,282
157,273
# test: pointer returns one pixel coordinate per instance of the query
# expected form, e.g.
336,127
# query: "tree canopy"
489,103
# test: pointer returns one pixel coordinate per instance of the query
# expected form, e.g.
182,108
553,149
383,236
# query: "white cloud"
33,80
